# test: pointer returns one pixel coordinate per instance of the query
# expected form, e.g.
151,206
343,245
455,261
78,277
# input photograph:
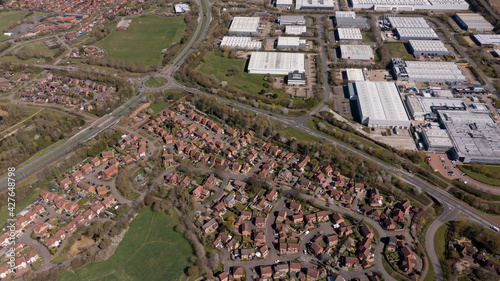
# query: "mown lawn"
6,18
156,82
40,48
144,40
158,106
398,50
299,135
491,174
151,250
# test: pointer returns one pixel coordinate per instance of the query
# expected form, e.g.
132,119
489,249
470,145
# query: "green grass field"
398,50
151,250
299,135
144,40
158,106
220,66
156,82
439,241
7,18
40,47
490,175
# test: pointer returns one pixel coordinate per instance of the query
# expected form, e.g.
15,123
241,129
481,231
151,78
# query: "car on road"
276,261
307,232
495,228
305,252
327,204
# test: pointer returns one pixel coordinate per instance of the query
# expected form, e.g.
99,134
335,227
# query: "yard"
482,173
398,50
151,250
6,18
144,40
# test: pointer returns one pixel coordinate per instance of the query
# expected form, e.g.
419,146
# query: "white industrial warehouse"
284,4
349,34
290,42
436,140
356,52
349,19
379,104
426,71
408,22
409,5
428,47
276,63
473,22
237,42
244,26
421,108
295,29
408,33
355,74
487,39
314,4
299,20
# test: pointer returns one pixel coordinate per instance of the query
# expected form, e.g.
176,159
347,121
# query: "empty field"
6,18
151,250
399,50
144,40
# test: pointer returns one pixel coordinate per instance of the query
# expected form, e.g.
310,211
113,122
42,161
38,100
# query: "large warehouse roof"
349,34
240,42
473,21
314,4
380,104
415,33
276,63
355,51
427,46
409,22
391,5
245,24
295,29
427,71
488,39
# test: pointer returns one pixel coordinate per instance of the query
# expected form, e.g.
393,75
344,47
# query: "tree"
193,271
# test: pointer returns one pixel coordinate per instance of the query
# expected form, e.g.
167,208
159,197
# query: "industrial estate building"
295,29
408,22
349,19
298,20
487,39
290,43
276,63
409,5
296,78
407,33
425,108
354,74
314,4
379,104
474,135
349,34
428,47
473,22
424,71
244,26
236,42
356,52
284,4
436,140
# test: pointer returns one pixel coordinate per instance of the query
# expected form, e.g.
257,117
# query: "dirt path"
19,123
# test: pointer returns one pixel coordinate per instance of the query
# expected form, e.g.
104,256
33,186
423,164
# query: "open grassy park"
144,40
151,250
6,18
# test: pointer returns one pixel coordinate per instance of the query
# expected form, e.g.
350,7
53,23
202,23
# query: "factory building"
276,63
436,140
244,26
296,78
409,5
408,22
292,43
349,34
473,22
354,74
425,108
236,42
314,5
349,19
407,33
426,71
356,52
487,39
297,20
284,4
379,104
474,136
295,29
428,47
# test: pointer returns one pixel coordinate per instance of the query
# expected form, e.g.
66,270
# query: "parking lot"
442,164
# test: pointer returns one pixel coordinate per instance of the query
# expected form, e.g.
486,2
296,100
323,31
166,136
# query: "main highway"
451,206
